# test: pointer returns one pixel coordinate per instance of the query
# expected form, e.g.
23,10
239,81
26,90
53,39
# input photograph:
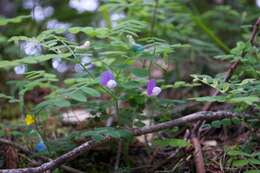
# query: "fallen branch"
52,164
42,158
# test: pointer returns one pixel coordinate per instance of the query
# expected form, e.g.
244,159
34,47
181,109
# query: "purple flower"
152,89
107,79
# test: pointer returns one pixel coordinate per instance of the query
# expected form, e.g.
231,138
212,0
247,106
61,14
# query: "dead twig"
34,162
118,155
197,154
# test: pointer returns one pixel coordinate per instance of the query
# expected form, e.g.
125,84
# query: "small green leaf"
140,72
237,153
90,91
74,30
18,19
102,32
226,122
76,95
102,132
172,142
236,121
254,161
240,163
216,124
60,102
248,100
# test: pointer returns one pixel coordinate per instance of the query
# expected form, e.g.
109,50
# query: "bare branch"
203,115
254,32
42,158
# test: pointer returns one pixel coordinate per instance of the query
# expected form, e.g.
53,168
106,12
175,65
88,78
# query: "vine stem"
119,147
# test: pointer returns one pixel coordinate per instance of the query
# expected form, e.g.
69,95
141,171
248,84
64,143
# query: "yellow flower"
29,120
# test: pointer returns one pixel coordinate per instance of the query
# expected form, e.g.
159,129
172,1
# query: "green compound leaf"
29,60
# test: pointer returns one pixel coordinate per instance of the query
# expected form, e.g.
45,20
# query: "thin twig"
254,32
154,16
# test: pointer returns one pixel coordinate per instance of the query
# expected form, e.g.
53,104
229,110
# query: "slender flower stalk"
135,46
152,89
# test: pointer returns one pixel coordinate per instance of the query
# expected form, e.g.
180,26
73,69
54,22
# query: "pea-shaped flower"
152,89
107,79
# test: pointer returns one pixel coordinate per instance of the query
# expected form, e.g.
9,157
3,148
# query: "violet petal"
150,85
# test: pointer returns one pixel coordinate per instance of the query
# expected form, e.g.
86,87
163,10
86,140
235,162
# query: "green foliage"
172,142
242,88
239,158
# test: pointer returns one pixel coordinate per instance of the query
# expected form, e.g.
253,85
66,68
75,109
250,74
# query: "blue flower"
40,147
107,79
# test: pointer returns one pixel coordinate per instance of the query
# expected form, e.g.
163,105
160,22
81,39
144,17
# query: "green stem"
154,16
41,136
116,109
210,33
194,13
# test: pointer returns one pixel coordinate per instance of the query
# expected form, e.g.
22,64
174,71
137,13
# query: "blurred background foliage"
190,36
